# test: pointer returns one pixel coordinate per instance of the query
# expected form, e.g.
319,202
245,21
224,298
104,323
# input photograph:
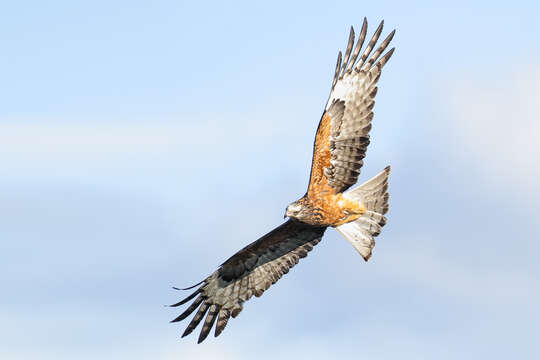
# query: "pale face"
293,210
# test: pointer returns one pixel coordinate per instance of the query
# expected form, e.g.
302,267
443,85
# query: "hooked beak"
286,213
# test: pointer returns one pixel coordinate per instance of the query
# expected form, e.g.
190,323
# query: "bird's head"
295,210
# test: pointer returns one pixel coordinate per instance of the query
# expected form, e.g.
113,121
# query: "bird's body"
338,152
330,210
325,206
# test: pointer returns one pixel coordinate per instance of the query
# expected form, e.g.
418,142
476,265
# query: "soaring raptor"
358,214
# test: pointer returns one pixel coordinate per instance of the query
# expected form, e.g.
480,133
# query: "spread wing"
343,133
248,272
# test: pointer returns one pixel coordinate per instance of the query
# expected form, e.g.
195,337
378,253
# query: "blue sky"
142,144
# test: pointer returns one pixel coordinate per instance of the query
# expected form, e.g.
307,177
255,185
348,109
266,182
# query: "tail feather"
374,195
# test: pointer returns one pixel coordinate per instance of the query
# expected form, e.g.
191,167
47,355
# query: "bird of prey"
358,214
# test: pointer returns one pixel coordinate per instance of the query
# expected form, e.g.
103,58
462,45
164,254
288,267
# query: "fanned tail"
374,195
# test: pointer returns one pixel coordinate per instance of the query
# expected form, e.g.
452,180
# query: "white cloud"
496,115
424,264
39,146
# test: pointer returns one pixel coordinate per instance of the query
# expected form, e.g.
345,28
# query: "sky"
143,143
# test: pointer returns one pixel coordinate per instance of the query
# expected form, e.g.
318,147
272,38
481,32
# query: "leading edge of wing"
250,271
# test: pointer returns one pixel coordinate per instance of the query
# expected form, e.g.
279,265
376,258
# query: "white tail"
374,195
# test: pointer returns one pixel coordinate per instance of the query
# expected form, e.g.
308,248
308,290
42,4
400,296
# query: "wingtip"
191,296
188,288
387,56
186,333
176,319
219,330
202,336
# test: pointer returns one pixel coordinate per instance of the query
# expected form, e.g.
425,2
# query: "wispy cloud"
424,264
495,116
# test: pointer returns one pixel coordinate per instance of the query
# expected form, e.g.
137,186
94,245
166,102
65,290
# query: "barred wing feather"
350,106
249,272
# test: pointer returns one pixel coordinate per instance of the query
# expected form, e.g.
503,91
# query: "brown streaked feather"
379,65
338,67
250,271
380,49
358,47
318,182
208,322
371,44
222,321
350,45
196,319
190,309
186,299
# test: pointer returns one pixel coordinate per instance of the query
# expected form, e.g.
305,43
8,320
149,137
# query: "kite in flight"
358,214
